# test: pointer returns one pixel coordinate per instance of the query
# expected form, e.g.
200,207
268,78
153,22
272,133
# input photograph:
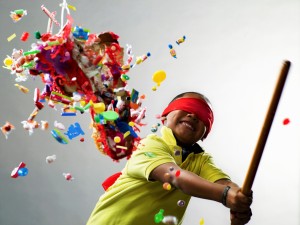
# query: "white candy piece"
50,158
171,220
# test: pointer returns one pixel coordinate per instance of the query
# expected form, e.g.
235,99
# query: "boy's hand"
239,204
240,218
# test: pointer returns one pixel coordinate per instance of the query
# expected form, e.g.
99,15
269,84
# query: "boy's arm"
192,184
237,217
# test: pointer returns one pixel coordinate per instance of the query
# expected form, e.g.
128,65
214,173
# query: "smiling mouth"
186,124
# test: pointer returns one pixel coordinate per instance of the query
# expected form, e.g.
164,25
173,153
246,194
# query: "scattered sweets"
44,125
181,203
158,217
172,51
286,121
21,170
24,37
170,220
201,222
59,126
141,59
177,173
72,7
68,176
180,40
18,14
167,186
50,159
30,125
117,139
74,130
150,154
22,88
11,37
154,127
7,128
59,137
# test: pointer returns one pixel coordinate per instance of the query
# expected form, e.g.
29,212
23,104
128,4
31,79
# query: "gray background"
233,53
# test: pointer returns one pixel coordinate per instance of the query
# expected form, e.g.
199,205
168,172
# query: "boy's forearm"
227,182
193,185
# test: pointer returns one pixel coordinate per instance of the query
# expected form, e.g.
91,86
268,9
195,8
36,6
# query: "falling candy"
154,127
150,154
177,173
180,40
30,125
201,221
50,159
11,37
167,186
58,125
172,51
7,128
74,130
286,121
21,171
59,136
18,14
171,220
159,216
22,88
24,36
181,203
68,176
142,58
44,125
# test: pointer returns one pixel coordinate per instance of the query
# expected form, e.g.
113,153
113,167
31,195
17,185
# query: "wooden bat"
248,182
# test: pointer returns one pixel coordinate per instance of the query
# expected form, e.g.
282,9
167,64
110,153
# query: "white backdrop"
233,53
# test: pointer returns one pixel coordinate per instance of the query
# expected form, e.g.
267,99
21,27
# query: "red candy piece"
286,121
24,36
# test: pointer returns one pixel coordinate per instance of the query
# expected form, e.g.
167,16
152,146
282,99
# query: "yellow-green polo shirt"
134,200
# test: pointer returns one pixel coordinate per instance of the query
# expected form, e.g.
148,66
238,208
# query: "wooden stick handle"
246,188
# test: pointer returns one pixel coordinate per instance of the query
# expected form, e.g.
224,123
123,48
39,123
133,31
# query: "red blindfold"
195,106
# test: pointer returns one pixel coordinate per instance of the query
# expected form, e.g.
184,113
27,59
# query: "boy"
164,172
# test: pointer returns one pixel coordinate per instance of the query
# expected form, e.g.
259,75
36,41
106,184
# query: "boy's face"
186,127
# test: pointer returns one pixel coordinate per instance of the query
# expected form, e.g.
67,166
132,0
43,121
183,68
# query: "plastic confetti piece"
286,121
11,37
72,7
171,220
159,216
50,159
150,154
22,88
181,203
201,221
167,186
68,176
7,128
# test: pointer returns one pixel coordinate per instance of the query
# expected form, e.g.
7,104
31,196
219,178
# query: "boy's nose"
193,116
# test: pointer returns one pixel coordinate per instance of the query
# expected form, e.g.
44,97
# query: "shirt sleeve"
152,152
210,171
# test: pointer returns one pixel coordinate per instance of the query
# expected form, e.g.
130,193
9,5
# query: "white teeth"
188,125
